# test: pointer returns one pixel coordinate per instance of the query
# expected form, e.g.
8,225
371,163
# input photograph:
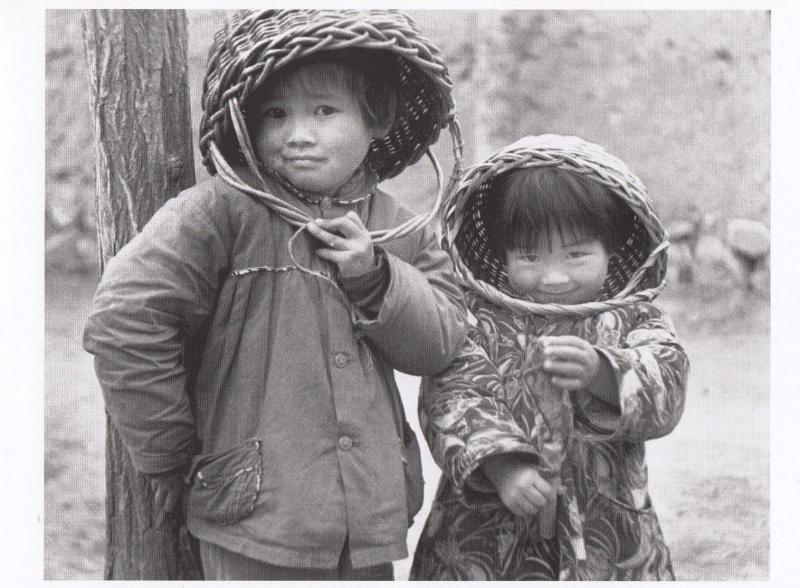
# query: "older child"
284,424
569,371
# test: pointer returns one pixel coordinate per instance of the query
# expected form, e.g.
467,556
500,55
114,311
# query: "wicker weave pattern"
636,270
253,45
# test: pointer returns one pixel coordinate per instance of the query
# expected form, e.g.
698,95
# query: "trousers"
222,564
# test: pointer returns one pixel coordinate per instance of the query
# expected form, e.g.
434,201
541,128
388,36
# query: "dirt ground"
709,478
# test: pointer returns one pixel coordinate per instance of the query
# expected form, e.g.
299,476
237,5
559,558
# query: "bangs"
364,75
316,78
537,203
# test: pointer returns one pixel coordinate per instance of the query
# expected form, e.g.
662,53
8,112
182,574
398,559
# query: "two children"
569,371
264,377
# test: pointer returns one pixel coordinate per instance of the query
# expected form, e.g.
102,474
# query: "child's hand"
348,243
522,489
168,489
571,361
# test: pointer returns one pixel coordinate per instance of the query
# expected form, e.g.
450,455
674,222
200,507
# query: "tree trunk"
143,150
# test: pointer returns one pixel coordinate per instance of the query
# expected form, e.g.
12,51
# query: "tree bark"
143,156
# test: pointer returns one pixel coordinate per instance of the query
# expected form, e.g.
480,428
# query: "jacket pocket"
225,485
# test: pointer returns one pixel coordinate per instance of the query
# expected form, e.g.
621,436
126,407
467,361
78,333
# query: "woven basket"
254,44
636,270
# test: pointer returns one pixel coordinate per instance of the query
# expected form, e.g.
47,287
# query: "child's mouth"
551,296
560,292
303,162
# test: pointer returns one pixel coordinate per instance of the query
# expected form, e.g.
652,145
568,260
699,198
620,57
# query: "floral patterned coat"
485,404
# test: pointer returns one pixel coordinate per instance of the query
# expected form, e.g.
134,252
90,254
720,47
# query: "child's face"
314,137
570,272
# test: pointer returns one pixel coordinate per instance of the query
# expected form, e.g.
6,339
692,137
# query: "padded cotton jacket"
495,399
481,407
213,349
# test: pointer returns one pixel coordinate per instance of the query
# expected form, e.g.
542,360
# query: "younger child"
569,371
284,423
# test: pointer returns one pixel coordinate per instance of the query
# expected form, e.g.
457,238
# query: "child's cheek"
520,278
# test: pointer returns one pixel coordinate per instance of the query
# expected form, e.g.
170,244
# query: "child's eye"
577,254
326,110
529,257
274,112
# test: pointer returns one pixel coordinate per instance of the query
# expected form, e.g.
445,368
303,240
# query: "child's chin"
571,297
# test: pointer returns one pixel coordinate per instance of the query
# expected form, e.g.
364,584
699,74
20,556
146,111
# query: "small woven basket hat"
254,44
636,270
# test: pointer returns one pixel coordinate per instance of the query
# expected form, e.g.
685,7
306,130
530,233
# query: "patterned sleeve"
465,419
651,369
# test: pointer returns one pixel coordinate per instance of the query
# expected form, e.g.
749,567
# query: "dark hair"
529,203
367,73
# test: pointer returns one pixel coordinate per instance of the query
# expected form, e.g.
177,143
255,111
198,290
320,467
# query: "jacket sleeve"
154,295
465,420
651,370
421,324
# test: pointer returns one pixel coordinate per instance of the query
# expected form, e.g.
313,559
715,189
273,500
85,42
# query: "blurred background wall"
682,97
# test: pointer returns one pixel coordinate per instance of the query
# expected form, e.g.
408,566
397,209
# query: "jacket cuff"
366,291
595,418
472,485
393,282
153,464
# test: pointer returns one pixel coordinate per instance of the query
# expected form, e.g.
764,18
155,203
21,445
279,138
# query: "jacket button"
340,360
345,442
325,203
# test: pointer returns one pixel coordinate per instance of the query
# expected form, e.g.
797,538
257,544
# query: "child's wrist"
499,466
361,267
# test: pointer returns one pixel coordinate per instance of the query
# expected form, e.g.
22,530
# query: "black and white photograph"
406,293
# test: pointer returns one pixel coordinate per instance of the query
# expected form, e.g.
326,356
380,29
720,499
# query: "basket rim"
378,29
299,218
550,150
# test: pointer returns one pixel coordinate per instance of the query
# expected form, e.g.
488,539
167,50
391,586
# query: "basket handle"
297,217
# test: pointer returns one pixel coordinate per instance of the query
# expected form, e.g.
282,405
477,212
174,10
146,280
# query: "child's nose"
553,277
300,130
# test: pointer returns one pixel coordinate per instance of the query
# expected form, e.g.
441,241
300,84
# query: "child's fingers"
534,497
333,243
356,220
335,255
521,509
331,224
349,225
565,369
521,503
566,353
545,488
340,240
567,374
568,340
322,234
525,509
569,383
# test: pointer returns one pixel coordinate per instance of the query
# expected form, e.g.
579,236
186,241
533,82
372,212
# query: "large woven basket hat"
636,270
254,44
